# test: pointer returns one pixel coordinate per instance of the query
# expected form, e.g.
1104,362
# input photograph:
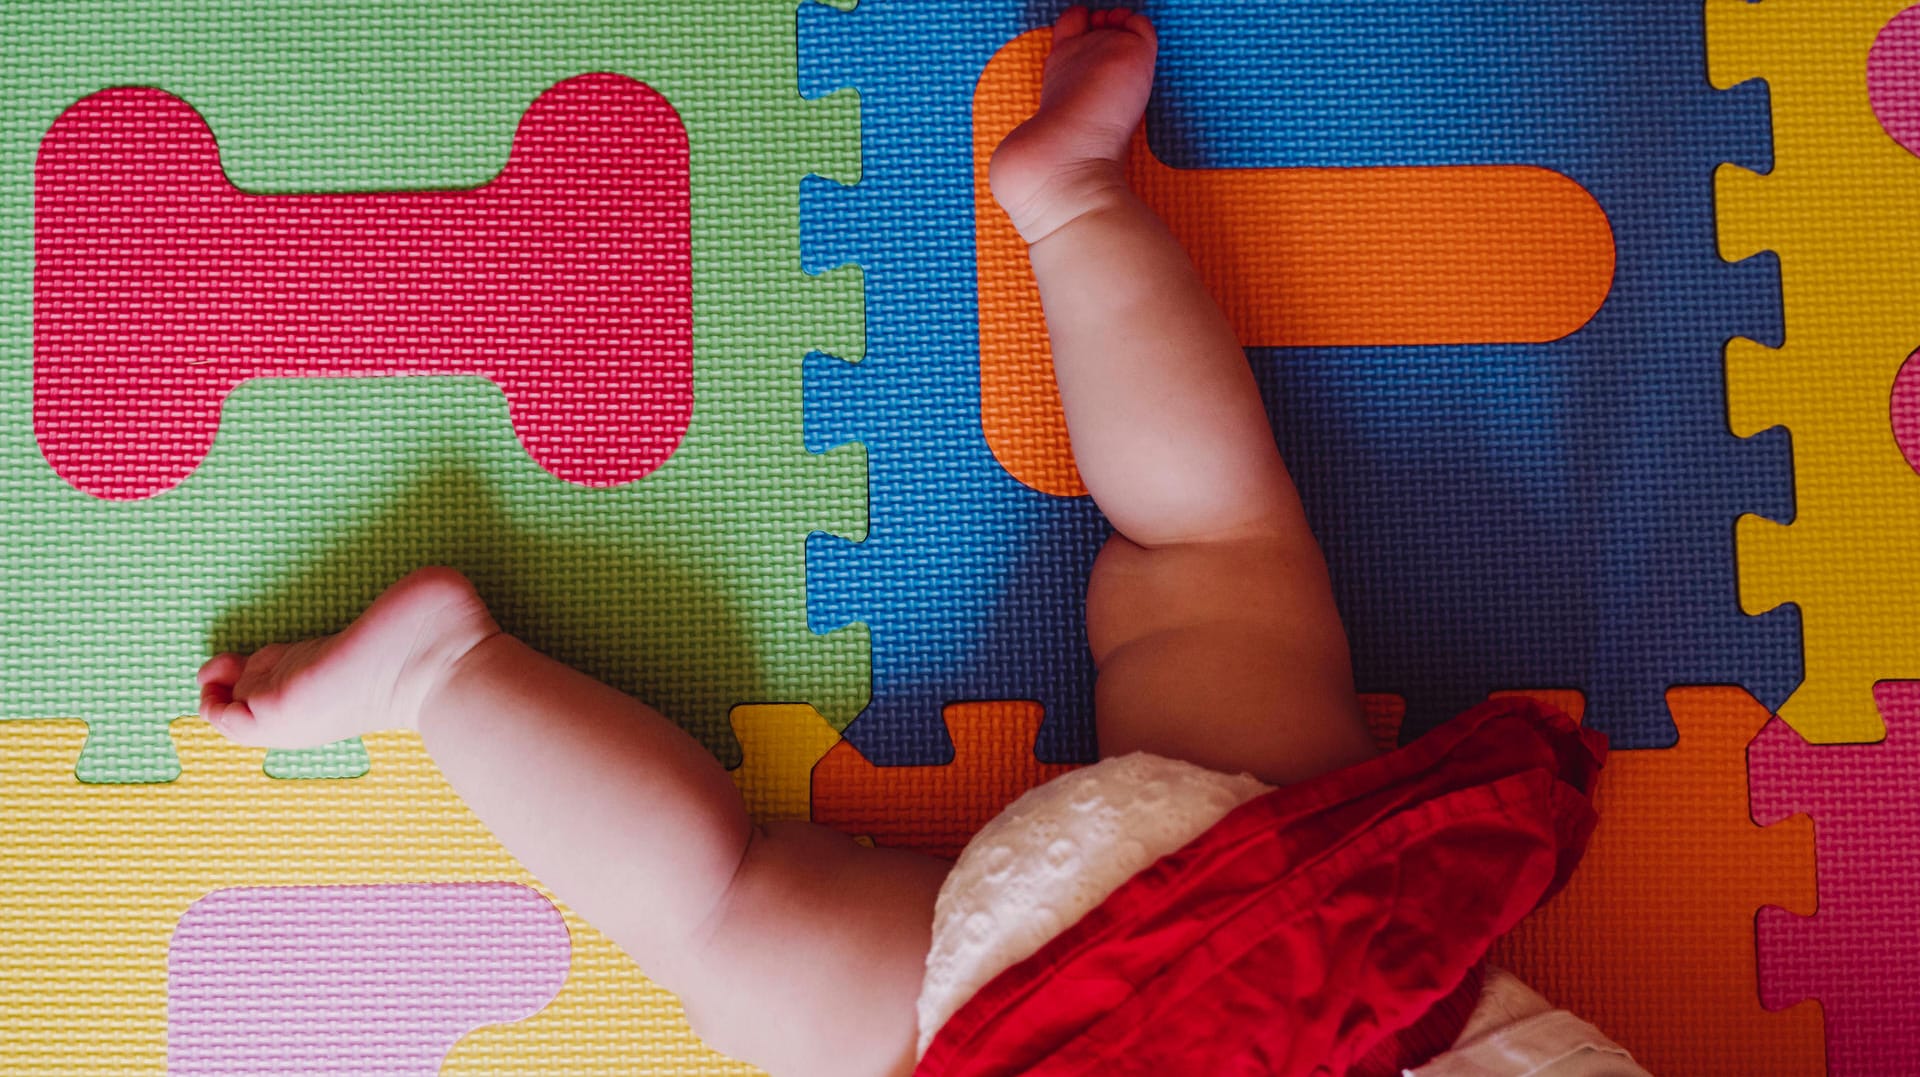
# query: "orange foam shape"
936,809
1296,257
1653,939
1384,715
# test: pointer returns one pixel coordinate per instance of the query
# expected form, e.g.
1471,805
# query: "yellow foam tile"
779,745
1841,207
94,878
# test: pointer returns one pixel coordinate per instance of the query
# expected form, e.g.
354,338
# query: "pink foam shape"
158,286
1858,954
1905,410
1893,78
354,980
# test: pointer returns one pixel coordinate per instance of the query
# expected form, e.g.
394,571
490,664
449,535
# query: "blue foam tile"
1496,516
831,385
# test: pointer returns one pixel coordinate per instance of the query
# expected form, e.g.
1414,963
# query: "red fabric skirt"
1311,924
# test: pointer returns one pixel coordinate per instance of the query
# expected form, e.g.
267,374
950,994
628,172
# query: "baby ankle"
1069,197
451,659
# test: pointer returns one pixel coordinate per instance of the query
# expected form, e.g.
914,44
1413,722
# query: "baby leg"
792,947
1210,613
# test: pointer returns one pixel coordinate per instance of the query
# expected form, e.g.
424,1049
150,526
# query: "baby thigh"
1226,653
814,960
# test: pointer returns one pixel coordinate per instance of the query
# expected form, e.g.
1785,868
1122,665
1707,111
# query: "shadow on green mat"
629,614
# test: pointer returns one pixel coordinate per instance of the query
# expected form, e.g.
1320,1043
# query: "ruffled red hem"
1311,924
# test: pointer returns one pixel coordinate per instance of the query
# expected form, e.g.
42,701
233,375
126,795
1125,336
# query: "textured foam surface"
780,744
97,877
935,809
1856,954
1495,515
354,979
1652,941
1841,207
1893,78
685,587
158,286
1294,256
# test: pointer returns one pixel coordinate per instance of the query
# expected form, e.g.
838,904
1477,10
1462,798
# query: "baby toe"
257,671
233,720
1072,23
224,668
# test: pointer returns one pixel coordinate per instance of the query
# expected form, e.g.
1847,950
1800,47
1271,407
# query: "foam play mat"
688,330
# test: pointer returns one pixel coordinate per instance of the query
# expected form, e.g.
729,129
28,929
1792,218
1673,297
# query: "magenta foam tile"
354,980
1893,78
1858,954
159,286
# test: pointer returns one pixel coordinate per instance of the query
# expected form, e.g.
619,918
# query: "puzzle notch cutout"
1840,207
1856,953
937,809
780,744
89,974
1652,940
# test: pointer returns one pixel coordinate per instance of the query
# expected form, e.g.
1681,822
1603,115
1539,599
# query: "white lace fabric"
1055,854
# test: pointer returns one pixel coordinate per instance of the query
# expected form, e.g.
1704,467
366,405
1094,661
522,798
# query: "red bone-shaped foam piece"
158,286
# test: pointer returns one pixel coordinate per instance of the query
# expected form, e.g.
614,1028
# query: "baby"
1228,726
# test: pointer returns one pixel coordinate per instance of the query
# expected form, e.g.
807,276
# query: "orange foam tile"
936,809
1653,939
1384,715
1296,257
1572,701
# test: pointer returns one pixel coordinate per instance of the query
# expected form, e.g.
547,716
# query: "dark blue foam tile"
1322,83
1500,516
1555,515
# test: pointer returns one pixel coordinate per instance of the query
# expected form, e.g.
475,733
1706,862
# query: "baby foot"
374,675
1068,158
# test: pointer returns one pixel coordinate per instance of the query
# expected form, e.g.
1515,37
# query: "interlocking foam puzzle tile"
1652,940
1293,256
969,583
1858,952
567,280
354,980
796,767
936,809
933,809
1495,514
96,878
1841,207
780,744
685,587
